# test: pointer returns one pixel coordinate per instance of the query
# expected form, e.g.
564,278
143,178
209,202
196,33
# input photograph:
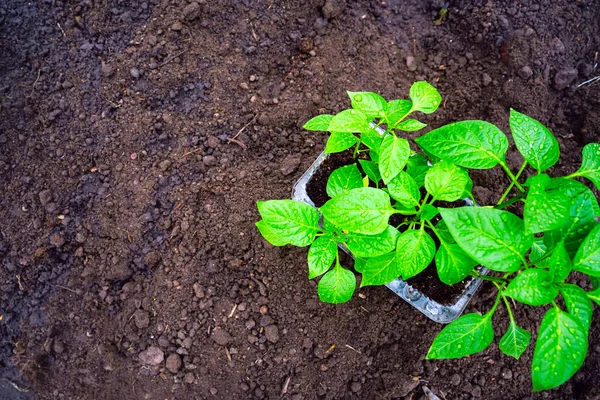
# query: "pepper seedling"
531,253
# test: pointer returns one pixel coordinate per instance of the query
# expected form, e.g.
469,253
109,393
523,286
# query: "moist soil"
427,282
137,136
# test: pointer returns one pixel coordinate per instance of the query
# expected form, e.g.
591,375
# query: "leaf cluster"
531,254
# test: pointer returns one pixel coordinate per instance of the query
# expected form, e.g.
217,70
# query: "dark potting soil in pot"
427,282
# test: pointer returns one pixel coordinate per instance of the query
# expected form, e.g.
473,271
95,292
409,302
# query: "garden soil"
136,137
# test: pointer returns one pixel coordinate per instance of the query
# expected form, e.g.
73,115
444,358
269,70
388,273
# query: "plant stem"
499,287
510,314
512,183
510,201
511,176
356,148
494,279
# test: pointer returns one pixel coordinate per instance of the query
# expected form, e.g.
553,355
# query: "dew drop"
358,97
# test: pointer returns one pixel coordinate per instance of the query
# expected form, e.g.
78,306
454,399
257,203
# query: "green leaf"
321,255
372,139
397,111
417,167
373,245
410,125
443,232
295,222
467,335
578,304
415,250
452,263
344,179
370,104
590,165
425,97
587,259
560,349
533,287
359,264
404,189
515,341
429,212
594,295
544,210
393,156
469,144
364,210
371,169
559,264
336,286
494,238
538,250
340,141
380,270
446,182
319,123
349,121
584,207
271,235
534,141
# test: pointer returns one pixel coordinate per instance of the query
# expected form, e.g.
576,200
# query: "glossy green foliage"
534,141
560,349
494,238
531,258
469,144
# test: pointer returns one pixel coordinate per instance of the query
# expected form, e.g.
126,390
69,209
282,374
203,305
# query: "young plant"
532,252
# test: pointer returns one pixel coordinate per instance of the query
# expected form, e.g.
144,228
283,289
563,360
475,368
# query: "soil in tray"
427,282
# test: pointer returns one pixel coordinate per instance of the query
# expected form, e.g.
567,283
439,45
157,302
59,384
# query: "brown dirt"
128,216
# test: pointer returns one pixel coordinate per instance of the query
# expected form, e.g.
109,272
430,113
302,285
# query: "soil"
427,282
137,136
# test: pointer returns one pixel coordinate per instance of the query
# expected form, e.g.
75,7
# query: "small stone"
176,27
152,356
355,387
164,165
244,86
478,38
213,391
289,165
191,11
411,64
486,79
198,290
263,310
57,240
557,46
525,72
221,337
564,78
333,8
152,259
163,342
107,70
135,73
189,378
174,363
272,333
506,374
142,319
80,237
45,197
455,380
58,347
209,161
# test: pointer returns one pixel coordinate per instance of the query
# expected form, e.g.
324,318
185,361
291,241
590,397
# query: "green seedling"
531,254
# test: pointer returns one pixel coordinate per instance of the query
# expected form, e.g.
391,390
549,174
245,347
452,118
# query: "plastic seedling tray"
432,309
